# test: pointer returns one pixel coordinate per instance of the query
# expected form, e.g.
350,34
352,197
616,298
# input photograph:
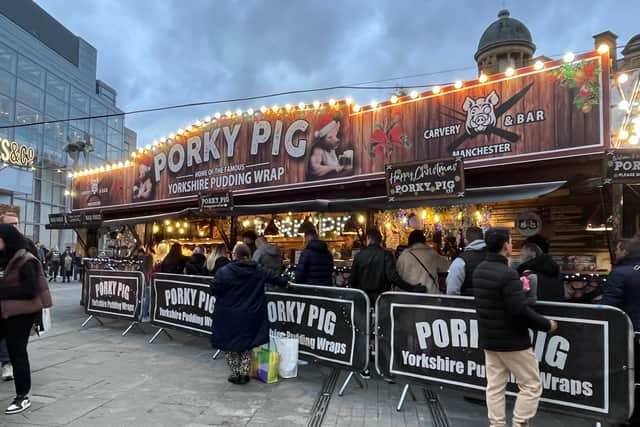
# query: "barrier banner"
586,366
182,302
114,293
331,324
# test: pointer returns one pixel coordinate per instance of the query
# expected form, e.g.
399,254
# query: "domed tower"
505,43
631,54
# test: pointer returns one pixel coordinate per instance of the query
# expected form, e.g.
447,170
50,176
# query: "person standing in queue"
268,255
623,292
249,238
421,264
54,263
216,259
504,320
374,272
240,321
174,262
23,294
195,265
315,266
66,265
461,270
544,270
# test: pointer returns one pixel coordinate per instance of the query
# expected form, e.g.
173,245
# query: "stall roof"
471,196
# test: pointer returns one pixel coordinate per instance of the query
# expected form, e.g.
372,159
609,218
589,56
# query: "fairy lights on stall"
347,104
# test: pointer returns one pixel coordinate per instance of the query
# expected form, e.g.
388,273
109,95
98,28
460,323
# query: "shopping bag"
265,364
288,351
46,320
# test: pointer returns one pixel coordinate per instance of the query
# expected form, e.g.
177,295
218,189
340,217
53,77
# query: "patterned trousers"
239,363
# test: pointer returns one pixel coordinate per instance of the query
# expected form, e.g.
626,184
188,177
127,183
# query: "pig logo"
94,186
480,113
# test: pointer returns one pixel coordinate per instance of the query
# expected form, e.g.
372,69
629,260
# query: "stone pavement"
95,377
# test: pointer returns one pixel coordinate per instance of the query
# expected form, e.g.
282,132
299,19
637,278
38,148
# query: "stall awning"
478,195
471,196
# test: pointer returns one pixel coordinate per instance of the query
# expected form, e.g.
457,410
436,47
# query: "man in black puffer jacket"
504,319
315,266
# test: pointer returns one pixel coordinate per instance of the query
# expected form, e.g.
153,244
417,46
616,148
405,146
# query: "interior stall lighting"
155,229
623,78
361,219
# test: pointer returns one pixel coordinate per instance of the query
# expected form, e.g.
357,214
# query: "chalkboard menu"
622,166
216,201
433,179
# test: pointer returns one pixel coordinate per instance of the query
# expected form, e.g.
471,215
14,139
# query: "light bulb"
569,57
163,140
332,102
180,131
263,109
348,101
207,119
374,104
217,115
414,94
239,112
288,107
633,140
624,104
316,104
603,48
483,78
509,72
172,135
275,108
436,89
147,147
623,78
623,134
457,84
228,113
189,128
356,108
250,111
393,99
301,105
539,65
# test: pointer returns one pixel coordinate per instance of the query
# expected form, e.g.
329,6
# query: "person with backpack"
421,264
461,270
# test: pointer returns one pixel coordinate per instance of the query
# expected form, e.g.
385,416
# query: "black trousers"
16,330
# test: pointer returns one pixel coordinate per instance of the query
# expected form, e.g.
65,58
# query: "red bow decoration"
385,141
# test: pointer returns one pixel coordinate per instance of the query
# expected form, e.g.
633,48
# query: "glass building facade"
38,83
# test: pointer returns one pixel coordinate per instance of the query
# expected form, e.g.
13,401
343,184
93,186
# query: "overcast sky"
166,52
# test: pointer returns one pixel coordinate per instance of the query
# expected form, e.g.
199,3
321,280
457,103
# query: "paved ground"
95,377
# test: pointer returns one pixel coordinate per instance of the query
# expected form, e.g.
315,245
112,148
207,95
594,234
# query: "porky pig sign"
533,115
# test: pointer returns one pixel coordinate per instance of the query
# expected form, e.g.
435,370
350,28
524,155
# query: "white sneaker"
7,372
19,404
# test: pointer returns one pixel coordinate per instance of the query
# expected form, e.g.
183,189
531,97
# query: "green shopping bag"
266,361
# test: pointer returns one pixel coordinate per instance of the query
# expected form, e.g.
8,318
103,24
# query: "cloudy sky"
167,52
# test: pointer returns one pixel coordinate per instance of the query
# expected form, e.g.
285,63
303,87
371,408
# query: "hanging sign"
583,365
114,293
622,166
331,324
216,201
528,224
57,221
425,180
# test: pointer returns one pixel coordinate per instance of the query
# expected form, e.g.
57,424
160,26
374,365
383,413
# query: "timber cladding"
555,112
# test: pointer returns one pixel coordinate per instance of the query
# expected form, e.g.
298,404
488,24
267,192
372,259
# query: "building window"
97,108
7,83
99,128
80,124
6,109
7,58
57,87
55,108
79,100
116,121
115,138
30,95
31,72
107,94
31,135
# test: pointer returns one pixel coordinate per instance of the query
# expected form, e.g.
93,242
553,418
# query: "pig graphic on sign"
480,113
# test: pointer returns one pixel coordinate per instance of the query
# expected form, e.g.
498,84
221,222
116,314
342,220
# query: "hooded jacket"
549,280
269,256
240,320
315,266
195,265
623,288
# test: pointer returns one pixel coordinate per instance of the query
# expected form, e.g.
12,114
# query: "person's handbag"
265,364
288,351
